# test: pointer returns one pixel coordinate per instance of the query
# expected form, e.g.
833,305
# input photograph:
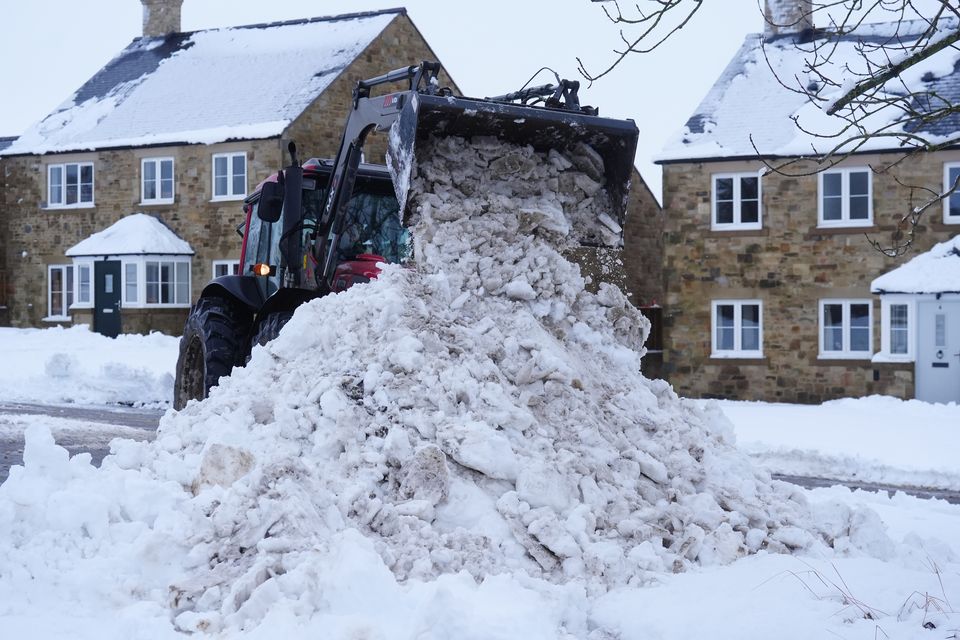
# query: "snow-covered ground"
464,451
79,366
878,439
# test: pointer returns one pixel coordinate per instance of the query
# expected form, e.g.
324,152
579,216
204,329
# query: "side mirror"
271,202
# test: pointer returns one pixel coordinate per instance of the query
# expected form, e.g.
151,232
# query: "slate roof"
748,111
135,234
208,86
6,142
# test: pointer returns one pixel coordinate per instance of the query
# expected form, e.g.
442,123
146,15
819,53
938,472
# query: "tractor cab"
372,234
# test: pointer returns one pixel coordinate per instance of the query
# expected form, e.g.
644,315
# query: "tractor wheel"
270,327
213,343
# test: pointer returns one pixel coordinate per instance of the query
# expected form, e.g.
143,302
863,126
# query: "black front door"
106,300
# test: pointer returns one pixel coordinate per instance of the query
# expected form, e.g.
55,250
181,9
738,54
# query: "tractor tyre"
270,328
213,343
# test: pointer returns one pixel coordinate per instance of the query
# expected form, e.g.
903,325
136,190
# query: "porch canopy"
936,271
136,234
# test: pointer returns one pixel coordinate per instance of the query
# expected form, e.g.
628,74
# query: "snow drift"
473,430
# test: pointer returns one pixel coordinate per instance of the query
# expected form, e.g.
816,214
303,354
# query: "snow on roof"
748,111
936,271
136,234
207,86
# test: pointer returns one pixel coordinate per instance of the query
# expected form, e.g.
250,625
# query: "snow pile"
476,431
75,365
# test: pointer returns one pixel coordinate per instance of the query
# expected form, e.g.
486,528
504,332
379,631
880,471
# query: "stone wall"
790,265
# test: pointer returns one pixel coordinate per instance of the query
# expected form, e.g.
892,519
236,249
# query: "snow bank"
76,365
467,449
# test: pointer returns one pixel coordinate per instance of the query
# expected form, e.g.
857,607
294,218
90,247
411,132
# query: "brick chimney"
786,17
161,17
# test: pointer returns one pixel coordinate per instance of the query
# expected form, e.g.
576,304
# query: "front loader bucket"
614,141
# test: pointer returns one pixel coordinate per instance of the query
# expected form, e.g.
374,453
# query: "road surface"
77,429
91,429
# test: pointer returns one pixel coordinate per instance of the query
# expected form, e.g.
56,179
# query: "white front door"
938,352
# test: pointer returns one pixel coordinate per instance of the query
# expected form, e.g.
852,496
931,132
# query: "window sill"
57,319
845,357
734,232
229,198
69,207
155,203
147,307
845,225
893,358
744,355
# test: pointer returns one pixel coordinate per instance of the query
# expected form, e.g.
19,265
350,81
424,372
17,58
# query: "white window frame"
845,353
736,225
230,194
66,302
947,184
62,203
885,355
845,220
737,351
233,267
126,300
79,266
157,162
141,269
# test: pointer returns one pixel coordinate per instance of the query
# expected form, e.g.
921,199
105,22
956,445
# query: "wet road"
94,427
77,429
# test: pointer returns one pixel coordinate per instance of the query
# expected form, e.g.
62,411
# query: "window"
846,198
167,282
951,204
70,185
846,329
84,293
736,201
156,180
59,291
737,329
229,176
131,281
225,268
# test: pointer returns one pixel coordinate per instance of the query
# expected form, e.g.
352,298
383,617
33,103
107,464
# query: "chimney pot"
784,17
161,17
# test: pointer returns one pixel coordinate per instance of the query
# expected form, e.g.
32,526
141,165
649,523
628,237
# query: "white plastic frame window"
59,291
83,284
845,197
898,329
951,204
735,203
847,336
736,329
229,174
161,281
225,268
70,185
157,181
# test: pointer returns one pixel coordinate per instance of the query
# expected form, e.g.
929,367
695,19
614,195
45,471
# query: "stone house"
180,126
767,273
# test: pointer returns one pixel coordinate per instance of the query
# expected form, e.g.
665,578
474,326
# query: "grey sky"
50,48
